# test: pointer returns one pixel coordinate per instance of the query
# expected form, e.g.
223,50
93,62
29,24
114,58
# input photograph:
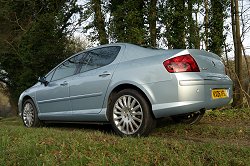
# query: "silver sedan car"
129,87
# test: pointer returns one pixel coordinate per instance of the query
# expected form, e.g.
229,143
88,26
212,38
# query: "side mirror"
43,80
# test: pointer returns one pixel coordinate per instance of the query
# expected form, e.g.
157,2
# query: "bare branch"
11,46
247,63
17,21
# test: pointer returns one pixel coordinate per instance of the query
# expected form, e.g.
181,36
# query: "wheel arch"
123,86
25,98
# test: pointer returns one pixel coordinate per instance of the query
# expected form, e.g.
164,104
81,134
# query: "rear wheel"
29,114
130,114
190,118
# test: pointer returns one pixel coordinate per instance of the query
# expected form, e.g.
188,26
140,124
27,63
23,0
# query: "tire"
190,118
29,114
130,114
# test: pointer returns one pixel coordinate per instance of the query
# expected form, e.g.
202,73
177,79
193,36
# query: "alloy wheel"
28,114
127,114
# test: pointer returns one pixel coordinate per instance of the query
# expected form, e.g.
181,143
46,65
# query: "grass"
221,138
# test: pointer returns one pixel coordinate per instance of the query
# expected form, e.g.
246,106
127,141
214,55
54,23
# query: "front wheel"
190,118
130,114
29,114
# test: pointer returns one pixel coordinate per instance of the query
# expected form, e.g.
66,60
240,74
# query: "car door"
88,89
53,99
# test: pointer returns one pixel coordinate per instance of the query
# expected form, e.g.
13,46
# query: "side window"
67,68
100,57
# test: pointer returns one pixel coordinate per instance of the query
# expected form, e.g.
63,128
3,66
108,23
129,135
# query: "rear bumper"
188,96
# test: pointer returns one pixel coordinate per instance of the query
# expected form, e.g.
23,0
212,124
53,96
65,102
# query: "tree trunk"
152,22
247,79
99,22
246,60
206,24
238,98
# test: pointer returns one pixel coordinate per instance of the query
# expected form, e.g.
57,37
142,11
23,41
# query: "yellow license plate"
219,93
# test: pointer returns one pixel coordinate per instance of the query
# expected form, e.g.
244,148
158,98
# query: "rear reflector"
183,63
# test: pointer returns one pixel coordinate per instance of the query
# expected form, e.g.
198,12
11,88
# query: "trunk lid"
208,62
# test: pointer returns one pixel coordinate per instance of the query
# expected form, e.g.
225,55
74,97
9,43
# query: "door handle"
104,74
65,83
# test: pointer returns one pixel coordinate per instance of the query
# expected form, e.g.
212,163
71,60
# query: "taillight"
183,63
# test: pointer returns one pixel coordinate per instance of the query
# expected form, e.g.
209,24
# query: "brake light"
183,63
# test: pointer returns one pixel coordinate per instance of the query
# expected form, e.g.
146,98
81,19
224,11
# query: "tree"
206,22
152,17
192,27
127,21
99,22
173,16
245,28
216,26
177,23
34,42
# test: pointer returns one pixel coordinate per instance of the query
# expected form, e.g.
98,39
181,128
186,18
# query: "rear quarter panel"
144,68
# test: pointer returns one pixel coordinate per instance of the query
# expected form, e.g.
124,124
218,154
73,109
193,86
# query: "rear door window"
100,57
